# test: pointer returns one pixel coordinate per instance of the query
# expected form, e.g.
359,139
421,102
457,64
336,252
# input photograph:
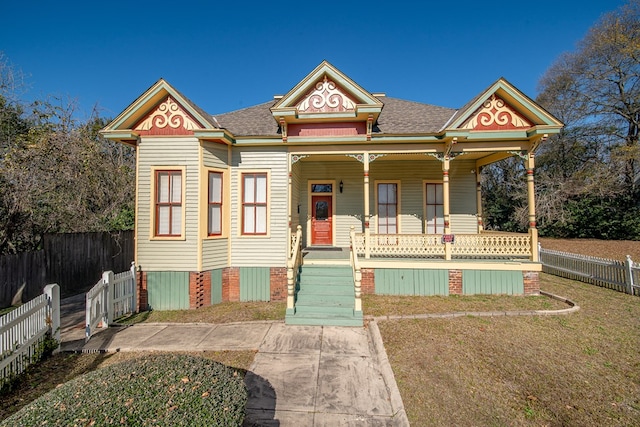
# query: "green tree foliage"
59,175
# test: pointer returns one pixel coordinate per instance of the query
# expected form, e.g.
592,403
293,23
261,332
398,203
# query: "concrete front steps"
326,297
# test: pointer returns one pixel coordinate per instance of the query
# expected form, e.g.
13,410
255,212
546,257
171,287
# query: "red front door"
321,218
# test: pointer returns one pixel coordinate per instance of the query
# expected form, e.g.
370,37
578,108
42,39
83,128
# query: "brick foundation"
278,283
199,289
531,282
231,284
141,291
368,281
455,282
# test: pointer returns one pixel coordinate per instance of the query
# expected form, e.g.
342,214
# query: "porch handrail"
293,264
357,274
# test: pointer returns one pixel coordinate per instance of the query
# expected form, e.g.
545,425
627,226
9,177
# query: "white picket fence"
112,297
623,276
23,331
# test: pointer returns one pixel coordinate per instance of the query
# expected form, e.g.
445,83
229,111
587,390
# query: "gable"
326,103
496,114
502,107
326,97
167,118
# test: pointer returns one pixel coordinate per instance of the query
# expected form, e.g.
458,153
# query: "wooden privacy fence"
113,296
23,331
73,260
623,276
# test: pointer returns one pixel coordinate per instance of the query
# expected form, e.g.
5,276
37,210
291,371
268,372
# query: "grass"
580,369
63,367
226,312
155,389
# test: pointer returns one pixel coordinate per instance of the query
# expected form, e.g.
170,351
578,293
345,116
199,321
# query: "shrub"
154,390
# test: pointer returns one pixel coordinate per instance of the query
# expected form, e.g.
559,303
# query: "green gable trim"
216,286
255,283
492,282
168,290
411,281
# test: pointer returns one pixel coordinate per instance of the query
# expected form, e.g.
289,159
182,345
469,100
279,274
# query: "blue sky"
233,54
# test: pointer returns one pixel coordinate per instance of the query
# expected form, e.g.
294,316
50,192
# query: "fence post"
629,274
53,297
107,312
134,288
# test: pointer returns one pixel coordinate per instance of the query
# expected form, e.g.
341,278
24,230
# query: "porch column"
479,200
367,232
289,193
445,207
531,196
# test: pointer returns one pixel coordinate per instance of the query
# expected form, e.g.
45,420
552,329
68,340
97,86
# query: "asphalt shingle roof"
397,117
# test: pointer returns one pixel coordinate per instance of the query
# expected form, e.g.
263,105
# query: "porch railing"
294,260
357,273
459,246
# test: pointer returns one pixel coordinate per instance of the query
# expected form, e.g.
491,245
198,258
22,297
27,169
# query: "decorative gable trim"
496,114
326,97
498,102
167,118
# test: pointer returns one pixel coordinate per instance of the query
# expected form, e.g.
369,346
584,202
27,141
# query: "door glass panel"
322,210
321,188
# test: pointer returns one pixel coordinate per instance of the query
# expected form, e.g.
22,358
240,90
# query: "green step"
325,297
325,320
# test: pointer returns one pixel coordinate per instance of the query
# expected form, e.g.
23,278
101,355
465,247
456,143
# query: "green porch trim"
255,284
216,286
411,281
493,282
168,290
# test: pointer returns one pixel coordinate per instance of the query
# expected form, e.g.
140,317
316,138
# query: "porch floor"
329,255
325,254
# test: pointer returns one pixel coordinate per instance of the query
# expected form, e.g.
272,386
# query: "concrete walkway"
301,375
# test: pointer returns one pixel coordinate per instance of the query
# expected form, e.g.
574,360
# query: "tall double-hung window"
387,208
434,208
254,203
168,203
214,227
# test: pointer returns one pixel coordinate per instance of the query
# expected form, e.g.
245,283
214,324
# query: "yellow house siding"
214,253
295,197
412,175
167,255
269,250
349,205
462,188
214,155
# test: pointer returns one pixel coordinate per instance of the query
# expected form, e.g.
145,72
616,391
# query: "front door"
321,220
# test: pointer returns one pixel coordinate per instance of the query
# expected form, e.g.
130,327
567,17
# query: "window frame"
266,204
155,204
425,207
220,204
397,205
